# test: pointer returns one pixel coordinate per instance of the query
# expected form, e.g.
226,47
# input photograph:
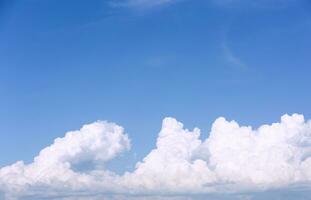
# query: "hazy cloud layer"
222,3
140,3
233,159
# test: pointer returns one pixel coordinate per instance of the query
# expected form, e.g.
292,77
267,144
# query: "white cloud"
232,58
53,167
140,3
222,3
232,159
255,3
171,166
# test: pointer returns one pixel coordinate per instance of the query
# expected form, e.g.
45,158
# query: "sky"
130,72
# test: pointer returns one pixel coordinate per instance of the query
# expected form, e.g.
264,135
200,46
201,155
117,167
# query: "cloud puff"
53,170
232,159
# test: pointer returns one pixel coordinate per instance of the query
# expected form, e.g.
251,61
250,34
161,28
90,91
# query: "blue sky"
65,63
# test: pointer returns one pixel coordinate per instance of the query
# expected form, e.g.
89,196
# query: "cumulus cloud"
232,159
52,170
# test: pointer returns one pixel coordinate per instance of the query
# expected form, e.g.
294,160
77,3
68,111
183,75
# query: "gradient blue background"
65,63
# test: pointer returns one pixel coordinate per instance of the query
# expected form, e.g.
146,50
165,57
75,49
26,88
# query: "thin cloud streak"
141,3
221,3
230,56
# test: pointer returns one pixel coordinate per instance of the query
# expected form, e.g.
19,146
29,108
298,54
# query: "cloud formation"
222,3
52,170
141,3
232,159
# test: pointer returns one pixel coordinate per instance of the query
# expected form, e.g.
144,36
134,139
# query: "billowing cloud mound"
52,169
233,159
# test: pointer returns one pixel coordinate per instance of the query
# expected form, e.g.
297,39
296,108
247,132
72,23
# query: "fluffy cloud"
174,165
52,170
232,159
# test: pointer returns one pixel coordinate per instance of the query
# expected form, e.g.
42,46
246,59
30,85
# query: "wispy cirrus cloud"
141,3
254,3
231,58
225,3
